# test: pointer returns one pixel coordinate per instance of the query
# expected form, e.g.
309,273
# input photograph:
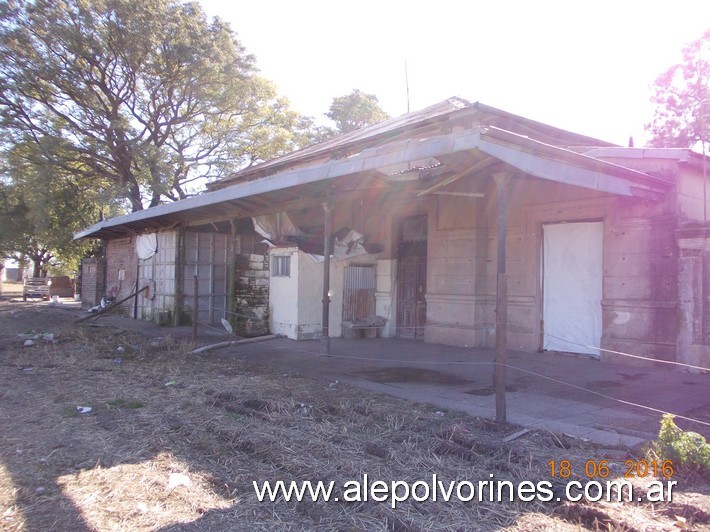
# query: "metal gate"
411,278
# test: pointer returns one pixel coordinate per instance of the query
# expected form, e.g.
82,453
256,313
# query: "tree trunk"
135,197
39,263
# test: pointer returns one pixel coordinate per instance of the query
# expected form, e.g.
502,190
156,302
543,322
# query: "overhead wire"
492,363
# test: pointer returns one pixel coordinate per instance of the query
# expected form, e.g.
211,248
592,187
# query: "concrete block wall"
252,294
640,287
639,280
693,333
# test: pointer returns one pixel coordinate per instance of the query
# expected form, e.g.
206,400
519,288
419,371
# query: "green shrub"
688,449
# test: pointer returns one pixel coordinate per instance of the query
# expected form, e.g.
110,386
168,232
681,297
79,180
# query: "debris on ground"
166,440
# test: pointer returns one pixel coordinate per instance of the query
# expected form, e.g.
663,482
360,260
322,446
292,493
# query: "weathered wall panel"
159,274
639,265
206,255
693,331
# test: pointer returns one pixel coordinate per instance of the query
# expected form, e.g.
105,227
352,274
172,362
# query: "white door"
572,286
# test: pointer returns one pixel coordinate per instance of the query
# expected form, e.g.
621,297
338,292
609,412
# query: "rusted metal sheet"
359,296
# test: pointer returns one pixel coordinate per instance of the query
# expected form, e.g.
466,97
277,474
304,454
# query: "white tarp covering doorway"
572,286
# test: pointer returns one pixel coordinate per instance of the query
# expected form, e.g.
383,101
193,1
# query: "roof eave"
527,155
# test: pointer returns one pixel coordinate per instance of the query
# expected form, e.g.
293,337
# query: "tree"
148,99
355,110
41,206
682,98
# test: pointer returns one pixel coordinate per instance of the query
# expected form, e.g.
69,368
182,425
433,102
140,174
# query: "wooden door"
411,289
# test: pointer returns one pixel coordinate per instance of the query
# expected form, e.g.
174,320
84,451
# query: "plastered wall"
639,280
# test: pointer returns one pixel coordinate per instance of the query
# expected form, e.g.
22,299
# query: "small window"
281,266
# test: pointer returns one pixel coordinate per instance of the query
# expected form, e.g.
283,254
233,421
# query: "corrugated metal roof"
452,109
518,151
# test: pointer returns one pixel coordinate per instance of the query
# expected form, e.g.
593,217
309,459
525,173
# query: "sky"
587,67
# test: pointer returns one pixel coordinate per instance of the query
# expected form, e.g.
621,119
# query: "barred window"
281,266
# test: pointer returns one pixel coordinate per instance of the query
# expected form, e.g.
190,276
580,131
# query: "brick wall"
92,282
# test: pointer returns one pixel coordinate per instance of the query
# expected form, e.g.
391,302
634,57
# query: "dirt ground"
174,441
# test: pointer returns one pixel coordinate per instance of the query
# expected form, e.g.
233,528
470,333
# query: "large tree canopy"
682,98
145,99
355,110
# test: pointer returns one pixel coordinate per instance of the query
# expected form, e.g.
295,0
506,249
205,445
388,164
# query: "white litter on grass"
31,337
304,409
227,326
178,479
83,409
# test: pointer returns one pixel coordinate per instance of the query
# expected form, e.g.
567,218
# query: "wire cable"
493,363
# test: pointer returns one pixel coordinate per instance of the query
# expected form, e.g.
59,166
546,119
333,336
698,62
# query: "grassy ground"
174,441
11,289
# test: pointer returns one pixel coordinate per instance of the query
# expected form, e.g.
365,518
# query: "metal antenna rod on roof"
406,82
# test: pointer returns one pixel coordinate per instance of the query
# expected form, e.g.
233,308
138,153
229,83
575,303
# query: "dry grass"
174,441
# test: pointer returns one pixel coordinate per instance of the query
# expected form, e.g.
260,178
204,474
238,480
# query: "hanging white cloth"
147,245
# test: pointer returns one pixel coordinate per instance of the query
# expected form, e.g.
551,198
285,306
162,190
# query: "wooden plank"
515,435
481,165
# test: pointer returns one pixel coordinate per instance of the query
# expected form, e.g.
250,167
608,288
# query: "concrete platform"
611,404
568,394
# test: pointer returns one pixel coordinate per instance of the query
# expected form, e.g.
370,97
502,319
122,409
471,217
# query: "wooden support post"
501,353
194,308
502,182
325,334
231,274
